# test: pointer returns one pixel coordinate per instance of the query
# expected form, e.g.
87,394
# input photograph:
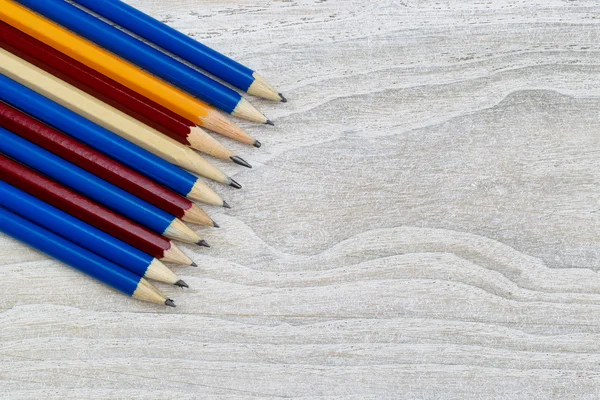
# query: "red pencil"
112,93
86,210
101,165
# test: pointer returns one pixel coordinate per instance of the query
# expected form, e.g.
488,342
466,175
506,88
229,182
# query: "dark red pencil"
88,211
112,93
101,165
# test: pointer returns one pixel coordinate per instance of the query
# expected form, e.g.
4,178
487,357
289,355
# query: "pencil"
79,258
113,93
90,212
120,70
95,188
183,46
110,118
145,56
86,236
102,166
106,142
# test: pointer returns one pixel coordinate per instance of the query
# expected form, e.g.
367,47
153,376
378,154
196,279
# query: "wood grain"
422,223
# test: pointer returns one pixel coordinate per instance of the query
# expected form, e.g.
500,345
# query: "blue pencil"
85,235
183,46
79,258
146,57
95,188
105,141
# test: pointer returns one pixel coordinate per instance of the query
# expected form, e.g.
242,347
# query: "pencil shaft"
171,40
94,83
116,68
83,208
68,252
137,52
107,116
183,46
84,182
74,230
109,91
95,136
93,161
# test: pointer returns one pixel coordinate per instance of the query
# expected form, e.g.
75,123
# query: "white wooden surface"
422,223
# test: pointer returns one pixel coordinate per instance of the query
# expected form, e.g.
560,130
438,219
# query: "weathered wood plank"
421,223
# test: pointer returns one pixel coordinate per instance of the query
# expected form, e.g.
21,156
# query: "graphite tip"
181,283
269,122
283,99
226,205
203,243
257,144
240,161
193,264
234,184
170,303
216,225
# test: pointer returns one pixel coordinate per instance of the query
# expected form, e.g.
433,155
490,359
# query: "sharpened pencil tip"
283,99
234,184
181,283
240,161
269,122
216,225
193,264
226,205
170,303
203,243
257,144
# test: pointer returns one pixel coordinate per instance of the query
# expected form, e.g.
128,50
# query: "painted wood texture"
422,223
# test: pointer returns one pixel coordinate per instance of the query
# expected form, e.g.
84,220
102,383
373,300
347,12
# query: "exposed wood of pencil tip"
181,232
196,215
247,111
168,302
159,272
146,292
203,193
217,122
176,256
202,141
193,162
260,88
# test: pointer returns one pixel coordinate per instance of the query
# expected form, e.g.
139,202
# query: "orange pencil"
124,72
